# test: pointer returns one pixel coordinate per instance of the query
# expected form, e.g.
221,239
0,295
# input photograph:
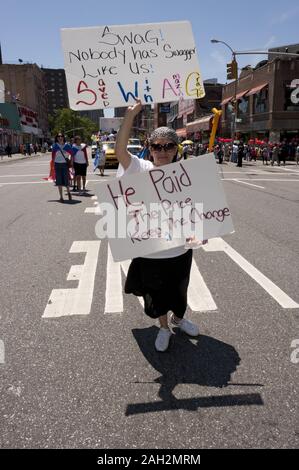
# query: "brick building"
265,101
25,86
57,96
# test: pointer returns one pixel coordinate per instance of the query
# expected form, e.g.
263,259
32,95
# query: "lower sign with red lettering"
157,210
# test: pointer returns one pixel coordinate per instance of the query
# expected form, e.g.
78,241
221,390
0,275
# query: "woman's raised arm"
123,135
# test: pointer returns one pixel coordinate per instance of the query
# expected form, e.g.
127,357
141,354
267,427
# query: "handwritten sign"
109,66
142,212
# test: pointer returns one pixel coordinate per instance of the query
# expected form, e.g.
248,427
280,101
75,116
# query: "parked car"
134,141
134,149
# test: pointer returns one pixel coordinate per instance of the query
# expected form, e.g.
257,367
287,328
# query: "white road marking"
2,352
290,169
65,302
29,182
93,210
249,184
218,244
259,179
94,198
14,176
199,296
114,295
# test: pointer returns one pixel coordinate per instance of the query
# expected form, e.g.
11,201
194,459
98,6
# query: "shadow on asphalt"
66,201
208,363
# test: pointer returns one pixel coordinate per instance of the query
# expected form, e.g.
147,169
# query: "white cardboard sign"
193,185
109,66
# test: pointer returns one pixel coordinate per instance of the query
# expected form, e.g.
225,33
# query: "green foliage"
71,123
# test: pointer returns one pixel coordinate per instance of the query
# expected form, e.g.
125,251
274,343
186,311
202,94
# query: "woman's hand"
194,243
134,109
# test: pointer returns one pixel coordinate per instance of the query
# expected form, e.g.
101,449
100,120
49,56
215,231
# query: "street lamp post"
235,104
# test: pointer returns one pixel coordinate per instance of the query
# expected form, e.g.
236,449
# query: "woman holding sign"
161,279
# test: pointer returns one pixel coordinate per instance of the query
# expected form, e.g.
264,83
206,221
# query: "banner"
145,213
109,66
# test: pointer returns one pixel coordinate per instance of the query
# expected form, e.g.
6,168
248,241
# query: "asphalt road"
95,381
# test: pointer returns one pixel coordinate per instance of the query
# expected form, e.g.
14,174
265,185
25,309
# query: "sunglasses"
60,135
165,147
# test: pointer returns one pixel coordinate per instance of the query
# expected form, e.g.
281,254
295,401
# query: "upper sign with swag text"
109,66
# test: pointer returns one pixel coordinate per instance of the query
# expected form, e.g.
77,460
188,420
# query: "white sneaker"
187,326
162,340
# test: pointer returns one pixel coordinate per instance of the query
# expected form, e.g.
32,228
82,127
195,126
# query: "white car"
134,141
134,149
93,150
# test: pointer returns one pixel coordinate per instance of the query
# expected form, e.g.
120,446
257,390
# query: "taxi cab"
111,159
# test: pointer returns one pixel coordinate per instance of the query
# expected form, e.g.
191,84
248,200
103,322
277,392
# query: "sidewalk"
259,163
20,156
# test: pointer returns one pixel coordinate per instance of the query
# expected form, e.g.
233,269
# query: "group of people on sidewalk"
69,162
238,152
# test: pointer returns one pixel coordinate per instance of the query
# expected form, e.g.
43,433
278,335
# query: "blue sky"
31,29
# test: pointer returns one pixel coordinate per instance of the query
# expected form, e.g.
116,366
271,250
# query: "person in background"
62,158
100,159
8,150
265,155
240,155
234,154
297,155
275,155
80,161
144,153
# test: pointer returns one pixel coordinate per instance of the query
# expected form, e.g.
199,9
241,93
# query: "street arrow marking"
64,302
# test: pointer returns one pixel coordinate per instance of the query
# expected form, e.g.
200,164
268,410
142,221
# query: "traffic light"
232,70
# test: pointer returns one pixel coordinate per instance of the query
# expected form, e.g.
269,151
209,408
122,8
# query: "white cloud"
271,41
286,16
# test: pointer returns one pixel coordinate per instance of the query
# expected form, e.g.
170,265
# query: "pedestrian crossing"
78,301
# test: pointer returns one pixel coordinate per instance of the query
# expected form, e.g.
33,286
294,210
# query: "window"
261,101
243,109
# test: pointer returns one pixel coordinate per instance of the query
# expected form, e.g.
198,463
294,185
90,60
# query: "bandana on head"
164,133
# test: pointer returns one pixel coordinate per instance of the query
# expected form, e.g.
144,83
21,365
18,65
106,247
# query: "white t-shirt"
79,157
59,158
138,165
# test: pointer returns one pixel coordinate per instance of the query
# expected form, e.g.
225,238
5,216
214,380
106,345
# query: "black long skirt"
163,283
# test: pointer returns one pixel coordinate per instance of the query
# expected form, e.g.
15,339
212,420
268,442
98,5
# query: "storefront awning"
31,130
181,132
202,124
226,100
255,90
173,118
241,94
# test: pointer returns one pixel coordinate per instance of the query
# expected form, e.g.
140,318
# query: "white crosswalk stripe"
78,301
218,244
64,302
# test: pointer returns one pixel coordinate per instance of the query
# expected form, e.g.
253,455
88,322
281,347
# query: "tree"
70,123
